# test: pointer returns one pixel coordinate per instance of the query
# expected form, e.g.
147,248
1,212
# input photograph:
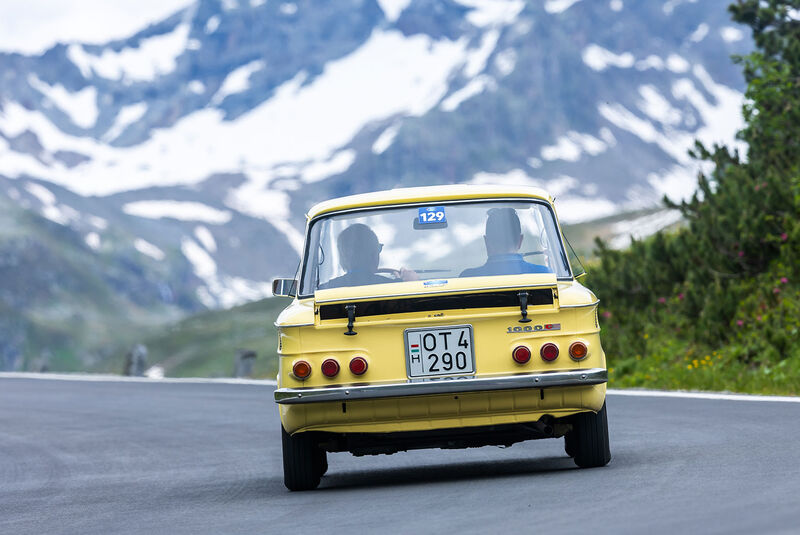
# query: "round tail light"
549,352
578,351
521,354
330,368
301,369
358,365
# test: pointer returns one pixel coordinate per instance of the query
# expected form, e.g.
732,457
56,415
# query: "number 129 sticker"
432,214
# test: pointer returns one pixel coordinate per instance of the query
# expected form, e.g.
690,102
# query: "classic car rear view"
439,317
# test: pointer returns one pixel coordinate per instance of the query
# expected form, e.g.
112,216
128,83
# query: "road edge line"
701,395
108,378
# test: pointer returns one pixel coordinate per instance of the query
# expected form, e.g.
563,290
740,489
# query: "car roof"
427,194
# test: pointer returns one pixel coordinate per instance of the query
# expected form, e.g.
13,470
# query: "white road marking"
96,377
702,395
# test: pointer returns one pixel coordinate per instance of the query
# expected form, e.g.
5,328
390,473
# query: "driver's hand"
408,275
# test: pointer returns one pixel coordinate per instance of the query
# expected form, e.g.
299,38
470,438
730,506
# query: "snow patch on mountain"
599,59
127,116
474,87
700,33
238,81
148,249
485,13
393,8
153,57
184,211
641,227
205,237
80,106
385,140
559,6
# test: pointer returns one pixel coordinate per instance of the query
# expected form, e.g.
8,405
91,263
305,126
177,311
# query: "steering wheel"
394,272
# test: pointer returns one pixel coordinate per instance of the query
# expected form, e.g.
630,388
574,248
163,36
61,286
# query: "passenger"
503,239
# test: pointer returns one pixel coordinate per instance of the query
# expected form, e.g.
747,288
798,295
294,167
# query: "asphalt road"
110,457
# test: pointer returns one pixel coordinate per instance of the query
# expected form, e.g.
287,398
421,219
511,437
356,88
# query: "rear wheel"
302,464
587,443
569,444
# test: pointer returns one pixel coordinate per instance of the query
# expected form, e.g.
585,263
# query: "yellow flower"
689,367
646,336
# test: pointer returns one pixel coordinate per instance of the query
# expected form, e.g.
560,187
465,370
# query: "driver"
503,239
359,255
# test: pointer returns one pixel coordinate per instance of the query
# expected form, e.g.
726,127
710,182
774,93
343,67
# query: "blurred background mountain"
165,174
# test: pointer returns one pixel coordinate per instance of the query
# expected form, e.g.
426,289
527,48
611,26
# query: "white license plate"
439,351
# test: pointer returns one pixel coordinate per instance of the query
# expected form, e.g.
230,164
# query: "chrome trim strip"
582,306
280,326
590,376
481,289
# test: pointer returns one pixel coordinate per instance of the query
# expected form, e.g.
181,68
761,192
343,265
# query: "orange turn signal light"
578,351
301,369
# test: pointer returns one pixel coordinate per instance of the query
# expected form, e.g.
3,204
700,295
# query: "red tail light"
301,369
330,368
521,354
578,351
549,352
358,365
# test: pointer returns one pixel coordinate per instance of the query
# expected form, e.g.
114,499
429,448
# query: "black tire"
322,461
590,439
569,444
302,468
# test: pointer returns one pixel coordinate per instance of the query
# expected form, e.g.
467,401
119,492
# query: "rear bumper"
458,385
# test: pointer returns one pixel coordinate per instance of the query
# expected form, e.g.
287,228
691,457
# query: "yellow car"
437,317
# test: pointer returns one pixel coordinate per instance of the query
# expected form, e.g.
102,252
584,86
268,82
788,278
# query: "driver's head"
503,231
359,249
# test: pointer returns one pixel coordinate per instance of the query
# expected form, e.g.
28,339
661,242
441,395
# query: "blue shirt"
504,264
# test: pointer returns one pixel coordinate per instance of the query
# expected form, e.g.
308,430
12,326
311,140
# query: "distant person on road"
359,256
503,239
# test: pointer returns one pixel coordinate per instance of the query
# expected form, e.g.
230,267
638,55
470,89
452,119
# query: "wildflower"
784,237
784,280
741,254
758,318
739,323
646,336
680,296
776,290
606,314
689,367
662,300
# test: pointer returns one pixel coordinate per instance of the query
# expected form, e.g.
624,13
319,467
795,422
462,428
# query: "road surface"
136,457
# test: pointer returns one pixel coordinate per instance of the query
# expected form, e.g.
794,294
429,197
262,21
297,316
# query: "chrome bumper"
454,385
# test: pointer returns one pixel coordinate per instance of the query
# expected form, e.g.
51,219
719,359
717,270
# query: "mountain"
169,172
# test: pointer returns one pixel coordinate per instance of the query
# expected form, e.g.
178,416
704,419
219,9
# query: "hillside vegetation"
205,345
716,304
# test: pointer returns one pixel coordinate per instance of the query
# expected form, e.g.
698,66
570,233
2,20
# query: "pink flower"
739,323
606,314
741,254
776,290
784,237
662,300
784,280
758,318
680,296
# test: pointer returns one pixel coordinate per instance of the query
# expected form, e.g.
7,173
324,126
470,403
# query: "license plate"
439,351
